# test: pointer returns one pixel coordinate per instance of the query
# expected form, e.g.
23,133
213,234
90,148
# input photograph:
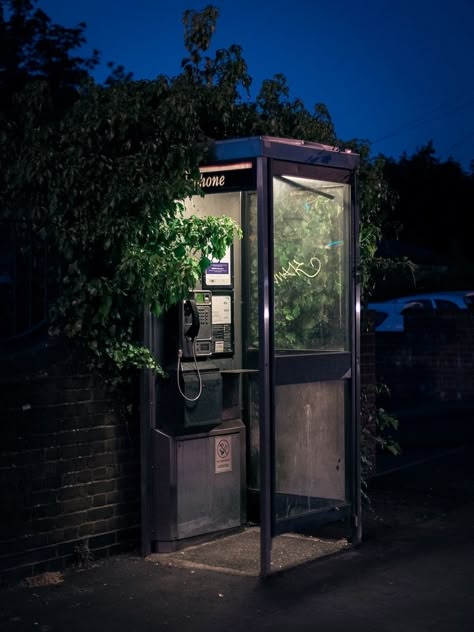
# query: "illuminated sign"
211,181
232,177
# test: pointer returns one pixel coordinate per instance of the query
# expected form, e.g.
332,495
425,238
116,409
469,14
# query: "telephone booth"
273,438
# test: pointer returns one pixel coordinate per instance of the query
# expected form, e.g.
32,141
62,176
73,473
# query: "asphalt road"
414,572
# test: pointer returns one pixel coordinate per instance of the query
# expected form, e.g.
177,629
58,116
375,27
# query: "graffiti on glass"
296,268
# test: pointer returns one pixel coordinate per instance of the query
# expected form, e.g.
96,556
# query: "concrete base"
239,554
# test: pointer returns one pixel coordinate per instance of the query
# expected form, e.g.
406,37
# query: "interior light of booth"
316,186
232,167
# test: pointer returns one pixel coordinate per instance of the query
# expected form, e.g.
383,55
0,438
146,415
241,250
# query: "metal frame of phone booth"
301,396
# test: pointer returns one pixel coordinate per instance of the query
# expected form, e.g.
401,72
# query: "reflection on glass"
310,265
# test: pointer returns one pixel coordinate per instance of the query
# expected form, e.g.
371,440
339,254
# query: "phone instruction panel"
222,323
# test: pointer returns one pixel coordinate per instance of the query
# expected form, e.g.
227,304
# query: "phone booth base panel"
199,482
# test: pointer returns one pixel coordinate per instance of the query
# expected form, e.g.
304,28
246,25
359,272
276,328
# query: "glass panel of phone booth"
311,236
310,468
310,447
310,265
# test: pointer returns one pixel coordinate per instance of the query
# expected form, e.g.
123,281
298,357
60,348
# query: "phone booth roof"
287,149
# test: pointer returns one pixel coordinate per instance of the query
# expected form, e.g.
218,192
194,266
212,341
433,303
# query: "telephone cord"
180,370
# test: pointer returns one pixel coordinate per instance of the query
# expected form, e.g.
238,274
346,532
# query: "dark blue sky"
396,73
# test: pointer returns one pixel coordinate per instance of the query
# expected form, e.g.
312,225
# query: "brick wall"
69,464
432,361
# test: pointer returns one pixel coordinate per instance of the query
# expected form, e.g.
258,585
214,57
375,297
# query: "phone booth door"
307,324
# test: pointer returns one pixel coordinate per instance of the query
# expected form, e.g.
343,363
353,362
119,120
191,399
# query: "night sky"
395,73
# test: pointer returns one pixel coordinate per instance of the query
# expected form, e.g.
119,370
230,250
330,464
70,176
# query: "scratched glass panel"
310,447
310,264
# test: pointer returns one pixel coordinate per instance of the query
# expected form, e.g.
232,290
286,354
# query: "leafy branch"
376,428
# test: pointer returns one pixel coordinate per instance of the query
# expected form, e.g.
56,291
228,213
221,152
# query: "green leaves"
99,181
99,185
376,431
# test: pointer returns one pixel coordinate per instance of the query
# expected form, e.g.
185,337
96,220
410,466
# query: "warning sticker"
223,454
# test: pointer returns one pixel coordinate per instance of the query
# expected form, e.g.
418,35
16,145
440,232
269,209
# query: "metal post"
147,415
265,366
355,434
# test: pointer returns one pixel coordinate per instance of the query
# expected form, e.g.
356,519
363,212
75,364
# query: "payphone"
195,325
194,336
206,325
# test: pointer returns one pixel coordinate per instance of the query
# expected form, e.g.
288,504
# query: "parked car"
389,315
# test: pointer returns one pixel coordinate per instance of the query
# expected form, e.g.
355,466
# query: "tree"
434,203
216,85
100,181
33,48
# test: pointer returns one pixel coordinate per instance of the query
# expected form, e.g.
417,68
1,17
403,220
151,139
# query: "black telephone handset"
195,320
192,323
